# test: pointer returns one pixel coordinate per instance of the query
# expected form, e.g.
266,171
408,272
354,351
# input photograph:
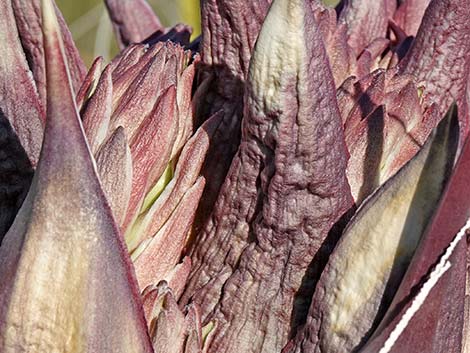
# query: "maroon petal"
140,96
28,21
366,20
185,107
151,149
133,20
369,262
167,326
451,215
193,342
229,32
347,96
89,82
157,257
368,99
19,101
439,53
64,258
409,15
114,164
178,276
97,112
129,57
171,330
186,173
285,189
132,68
384,130
341,55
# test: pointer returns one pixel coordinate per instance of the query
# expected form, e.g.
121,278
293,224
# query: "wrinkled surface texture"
286,187
369,262
366,20
439,55
310,117
230,29
409,15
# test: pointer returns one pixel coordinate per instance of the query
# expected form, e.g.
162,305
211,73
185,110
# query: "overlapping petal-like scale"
89,82
382,139
373,254
385,127
186,173
141,92
64,258
340,54
286,187
17,85
366,20
114,161
171,329
439,56
21,120
138,118
28,21
167,323
360,47
441,315
131,67
96,115
409,15
151,150
160,254
138,101
178,276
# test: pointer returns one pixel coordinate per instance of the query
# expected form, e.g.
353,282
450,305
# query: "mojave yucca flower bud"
288,182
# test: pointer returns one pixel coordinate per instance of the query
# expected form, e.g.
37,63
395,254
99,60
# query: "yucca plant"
295,180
